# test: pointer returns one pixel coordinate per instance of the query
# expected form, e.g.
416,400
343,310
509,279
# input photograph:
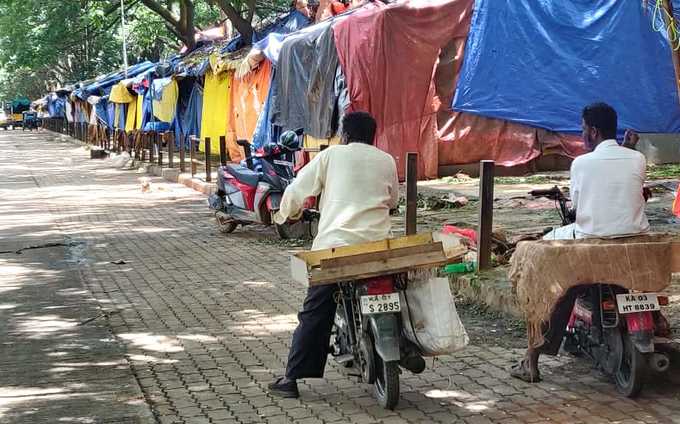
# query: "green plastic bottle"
460,268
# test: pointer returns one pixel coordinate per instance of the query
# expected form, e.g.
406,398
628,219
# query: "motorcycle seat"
244,175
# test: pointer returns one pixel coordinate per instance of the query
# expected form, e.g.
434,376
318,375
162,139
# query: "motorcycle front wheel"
630,375
386,386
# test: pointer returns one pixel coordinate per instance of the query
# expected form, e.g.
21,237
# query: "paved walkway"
201,322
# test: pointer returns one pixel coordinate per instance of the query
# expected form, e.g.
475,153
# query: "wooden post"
159,142
411,193
208,177
486,180
223,150
152,146
170,139
182,155
192,156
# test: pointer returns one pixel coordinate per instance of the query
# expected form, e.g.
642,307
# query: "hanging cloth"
216,107
131,115
248,96
165,101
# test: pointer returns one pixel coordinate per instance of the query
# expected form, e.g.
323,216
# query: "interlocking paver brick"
206,319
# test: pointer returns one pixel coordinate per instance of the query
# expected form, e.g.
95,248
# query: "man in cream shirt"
607,193
358,185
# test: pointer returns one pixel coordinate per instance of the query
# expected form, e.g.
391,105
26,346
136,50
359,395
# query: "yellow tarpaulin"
164,109
216,108
120,94
140,111
131,116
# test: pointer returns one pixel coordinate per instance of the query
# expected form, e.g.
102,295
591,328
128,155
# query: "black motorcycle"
368,335
624,333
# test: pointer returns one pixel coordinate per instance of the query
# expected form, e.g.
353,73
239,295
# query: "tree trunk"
242,25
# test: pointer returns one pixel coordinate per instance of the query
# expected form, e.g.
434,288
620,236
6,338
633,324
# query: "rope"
668,24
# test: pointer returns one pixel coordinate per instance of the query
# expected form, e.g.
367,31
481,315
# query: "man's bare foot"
525,372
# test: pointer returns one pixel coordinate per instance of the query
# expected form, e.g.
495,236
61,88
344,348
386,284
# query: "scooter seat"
244,175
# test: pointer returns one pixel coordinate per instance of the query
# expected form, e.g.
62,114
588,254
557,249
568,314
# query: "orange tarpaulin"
248,97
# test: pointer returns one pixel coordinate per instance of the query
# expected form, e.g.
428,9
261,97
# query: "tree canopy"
47,43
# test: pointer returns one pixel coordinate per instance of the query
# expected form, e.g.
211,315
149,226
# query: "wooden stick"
208,177
411,192
223,150
486,181
192,156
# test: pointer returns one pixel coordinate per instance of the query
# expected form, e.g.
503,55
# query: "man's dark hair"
359,127
603,117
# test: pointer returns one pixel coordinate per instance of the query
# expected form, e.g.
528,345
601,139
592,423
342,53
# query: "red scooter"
251,192
624,333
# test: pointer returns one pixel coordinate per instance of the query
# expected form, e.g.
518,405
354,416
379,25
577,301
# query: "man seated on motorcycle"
358,185
607,194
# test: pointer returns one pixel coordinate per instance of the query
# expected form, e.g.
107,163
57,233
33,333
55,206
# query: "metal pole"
122,25
486,179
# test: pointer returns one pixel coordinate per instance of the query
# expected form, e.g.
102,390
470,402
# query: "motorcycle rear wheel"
386,386
630,375
295,230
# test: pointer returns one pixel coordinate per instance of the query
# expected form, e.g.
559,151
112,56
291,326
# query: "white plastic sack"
429,315
121,160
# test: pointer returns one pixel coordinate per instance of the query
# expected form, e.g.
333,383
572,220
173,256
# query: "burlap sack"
542,271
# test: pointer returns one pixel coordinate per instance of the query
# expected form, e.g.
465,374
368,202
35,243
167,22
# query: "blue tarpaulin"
56,106
103,85
191,118
265,131
539,62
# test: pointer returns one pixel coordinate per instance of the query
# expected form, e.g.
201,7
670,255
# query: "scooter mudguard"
385,329
215,202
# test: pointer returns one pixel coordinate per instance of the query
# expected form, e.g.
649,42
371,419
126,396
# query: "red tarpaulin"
389,56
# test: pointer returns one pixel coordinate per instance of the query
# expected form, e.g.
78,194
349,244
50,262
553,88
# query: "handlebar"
551,193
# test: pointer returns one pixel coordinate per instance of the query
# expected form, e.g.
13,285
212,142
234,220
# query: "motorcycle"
368,335
251,192
623,332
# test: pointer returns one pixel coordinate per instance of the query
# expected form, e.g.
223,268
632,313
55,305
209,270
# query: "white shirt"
358,184
606,190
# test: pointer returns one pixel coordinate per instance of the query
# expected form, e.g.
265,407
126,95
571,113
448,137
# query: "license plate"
380,304
637,302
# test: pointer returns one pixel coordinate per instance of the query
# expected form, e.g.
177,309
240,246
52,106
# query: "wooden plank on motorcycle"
377,268
314,257
381,256
675,257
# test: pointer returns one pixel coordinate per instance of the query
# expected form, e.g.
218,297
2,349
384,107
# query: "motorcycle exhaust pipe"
659,362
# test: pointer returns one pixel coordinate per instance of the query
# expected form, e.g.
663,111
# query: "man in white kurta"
607,193
358,185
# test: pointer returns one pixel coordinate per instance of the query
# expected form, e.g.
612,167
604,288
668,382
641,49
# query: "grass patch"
661,172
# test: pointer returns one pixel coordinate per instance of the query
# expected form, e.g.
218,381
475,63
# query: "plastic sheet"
249,96
216,107
191,119
131,115
165,99
120,94
270,42
547,60
388,55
